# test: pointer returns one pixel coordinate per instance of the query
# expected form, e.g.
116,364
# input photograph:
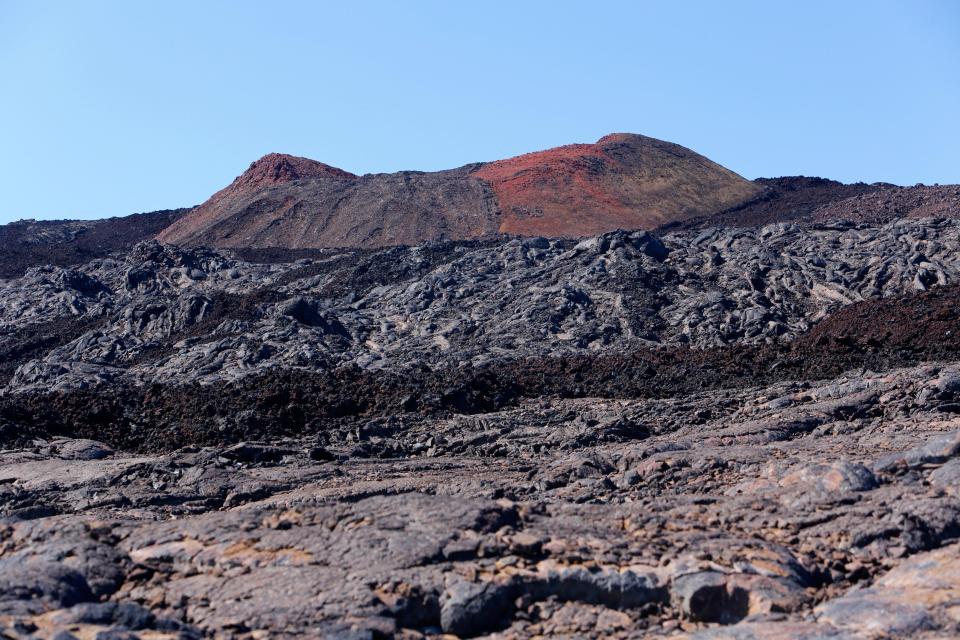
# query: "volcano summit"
623,181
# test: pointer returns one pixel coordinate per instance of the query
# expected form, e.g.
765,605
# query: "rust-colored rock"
624,181
271,170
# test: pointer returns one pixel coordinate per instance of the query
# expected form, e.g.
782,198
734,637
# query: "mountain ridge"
624,181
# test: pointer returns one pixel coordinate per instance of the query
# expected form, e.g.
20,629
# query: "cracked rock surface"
168,315
825,509
730,433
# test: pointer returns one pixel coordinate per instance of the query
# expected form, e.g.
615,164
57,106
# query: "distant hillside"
877,207
786,199
29,243
622,181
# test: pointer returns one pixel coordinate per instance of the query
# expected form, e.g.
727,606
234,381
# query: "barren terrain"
601,391
623,181
730,432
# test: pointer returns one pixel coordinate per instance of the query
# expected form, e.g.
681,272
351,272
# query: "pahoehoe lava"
607,390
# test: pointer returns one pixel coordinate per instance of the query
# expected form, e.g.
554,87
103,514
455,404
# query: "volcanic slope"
786,199
31,243
623,181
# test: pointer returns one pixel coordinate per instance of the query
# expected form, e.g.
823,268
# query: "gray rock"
469,609
82,449
36,586
512,298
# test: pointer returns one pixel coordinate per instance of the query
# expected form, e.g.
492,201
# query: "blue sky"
109,108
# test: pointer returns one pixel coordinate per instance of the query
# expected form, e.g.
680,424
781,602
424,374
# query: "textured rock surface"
520,522
721,433
29,243
898,203
164,314
786,199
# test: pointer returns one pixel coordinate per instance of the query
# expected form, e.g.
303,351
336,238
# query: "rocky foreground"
729,433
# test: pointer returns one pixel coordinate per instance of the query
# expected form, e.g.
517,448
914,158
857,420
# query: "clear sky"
109,108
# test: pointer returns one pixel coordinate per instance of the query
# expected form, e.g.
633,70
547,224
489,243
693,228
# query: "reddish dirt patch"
275,168
622,181
272,169
545,189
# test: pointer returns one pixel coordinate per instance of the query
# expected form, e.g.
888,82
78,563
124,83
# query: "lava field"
710,432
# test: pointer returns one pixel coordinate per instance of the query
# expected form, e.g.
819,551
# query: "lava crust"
745,432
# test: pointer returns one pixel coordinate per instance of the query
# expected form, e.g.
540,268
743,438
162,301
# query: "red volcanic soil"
270,170
555,180
622,181
275,168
